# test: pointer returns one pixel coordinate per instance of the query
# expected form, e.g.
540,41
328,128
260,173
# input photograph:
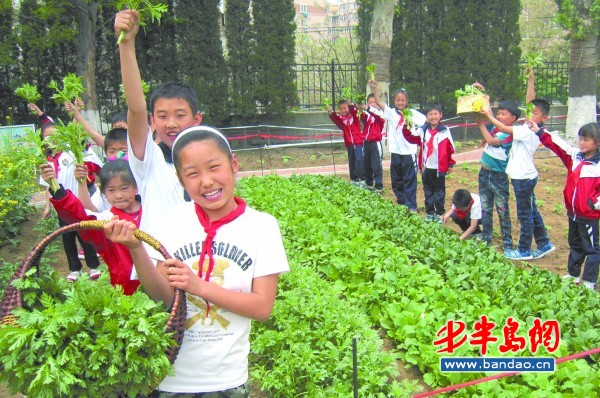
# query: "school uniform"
403,162
435,159
353,140
582,201
463,219
373,123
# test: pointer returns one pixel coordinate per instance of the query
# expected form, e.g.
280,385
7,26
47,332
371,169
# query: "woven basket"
12,296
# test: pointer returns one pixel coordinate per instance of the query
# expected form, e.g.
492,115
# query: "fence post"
333,84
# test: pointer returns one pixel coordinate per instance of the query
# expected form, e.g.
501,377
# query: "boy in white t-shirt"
466,213
524,176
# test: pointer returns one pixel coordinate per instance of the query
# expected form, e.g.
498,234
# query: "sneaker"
577,280
94,274
429,218
478,236
589,285
73,276
362,184
539,253
438,219
377,191
517,255
412,210
80,254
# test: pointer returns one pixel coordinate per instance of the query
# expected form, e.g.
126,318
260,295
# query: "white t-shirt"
520,158
157,181
397,142
65,175
475,212
214,352
100,202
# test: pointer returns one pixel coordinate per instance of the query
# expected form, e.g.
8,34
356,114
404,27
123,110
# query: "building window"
304,9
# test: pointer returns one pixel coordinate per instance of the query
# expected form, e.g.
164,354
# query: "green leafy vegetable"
69,138
29,93
150,8
72,88
408,117
371,69
348,94
326,103
30,151
468,90
85,339
145,90
528,109
534,60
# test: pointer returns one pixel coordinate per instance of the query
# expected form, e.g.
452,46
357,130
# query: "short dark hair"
371,96
433,107
175,90
115,135
511,106
342,102
590,130
119,117
461,198
400,91
113,169
543,105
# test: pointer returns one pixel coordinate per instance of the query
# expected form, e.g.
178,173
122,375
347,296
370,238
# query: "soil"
548,195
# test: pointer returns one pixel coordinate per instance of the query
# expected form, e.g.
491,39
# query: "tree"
582,19
8,52
380,44
240,43
273,57
200,54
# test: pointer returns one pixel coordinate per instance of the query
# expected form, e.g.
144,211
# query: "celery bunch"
72,87
29,93
34,152
145,8
69,138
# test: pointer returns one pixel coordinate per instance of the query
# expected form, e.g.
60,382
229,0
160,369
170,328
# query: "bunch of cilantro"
84,339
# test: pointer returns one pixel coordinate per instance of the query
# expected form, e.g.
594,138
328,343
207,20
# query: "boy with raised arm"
173,108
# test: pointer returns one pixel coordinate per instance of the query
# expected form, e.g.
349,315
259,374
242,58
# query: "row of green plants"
411,278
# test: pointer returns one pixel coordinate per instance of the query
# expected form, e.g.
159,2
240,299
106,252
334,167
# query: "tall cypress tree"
274,55
240,44
200,55
8,53
440,46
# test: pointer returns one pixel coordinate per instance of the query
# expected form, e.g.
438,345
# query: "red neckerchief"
134,217
211,230
401,121
54,160
429,144
347,120
461,215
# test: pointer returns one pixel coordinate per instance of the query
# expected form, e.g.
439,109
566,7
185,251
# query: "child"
173,108
117,183
435,160
347,121
373,123
403,165
524,176
227,259
493,180
466,213
63,165
582,198
119,120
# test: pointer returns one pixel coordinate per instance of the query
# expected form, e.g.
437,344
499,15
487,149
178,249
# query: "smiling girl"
228,258
119,187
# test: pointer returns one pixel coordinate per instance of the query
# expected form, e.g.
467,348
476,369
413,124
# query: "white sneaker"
94,274
589,285
577,280
73,276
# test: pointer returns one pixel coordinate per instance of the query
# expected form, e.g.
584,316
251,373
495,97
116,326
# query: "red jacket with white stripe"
582,188
373,123
116,256
350,125
442,141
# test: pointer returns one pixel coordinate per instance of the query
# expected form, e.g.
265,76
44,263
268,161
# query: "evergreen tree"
274,55
240,44
440,46
8,53
363,32
200,56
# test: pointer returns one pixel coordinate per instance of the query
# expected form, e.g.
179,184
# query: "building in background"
342,17
311,17
329,19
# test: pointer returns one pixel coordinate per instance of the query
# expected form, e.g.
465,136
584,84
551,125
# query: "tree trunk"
380,45
86,15
582,83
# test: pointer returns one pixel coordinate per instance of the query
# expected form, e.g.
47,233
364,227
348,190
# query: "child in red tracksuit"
119,187
373,122
582,198
347,120
435,160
